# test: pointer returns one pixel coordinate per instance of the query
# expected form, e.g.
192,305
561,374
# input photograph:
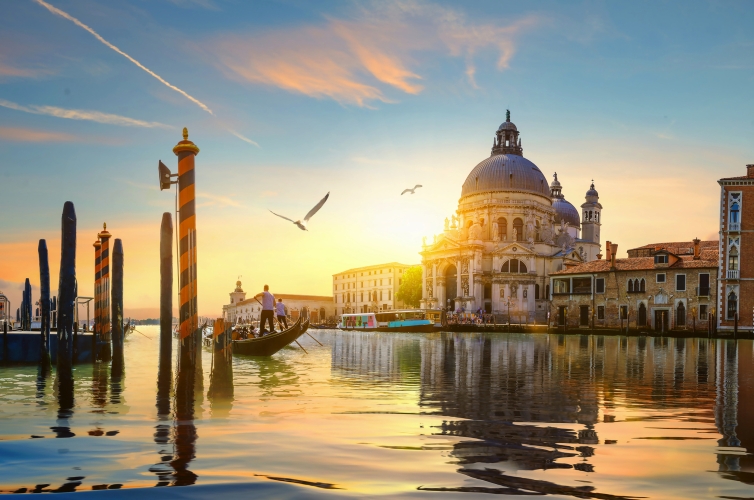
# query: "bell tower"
591,216
238,294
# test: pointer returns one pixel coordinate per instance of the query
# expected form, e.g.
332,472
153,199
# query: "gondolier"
280,311
268,310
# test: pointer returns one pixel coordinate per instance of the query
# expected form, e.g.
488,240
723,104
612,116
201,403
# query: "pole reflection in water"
220,392
64,388
99,387
184,437
163,427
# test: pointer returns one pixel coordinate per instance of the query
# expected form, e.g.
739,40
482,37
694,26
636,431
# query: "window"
380,294
703,312
518,229
733,259
362,297
600,312
703,290
388,295
390,281
599,285
623,312
630,287
514,266
660,277
734,211
380,282
680,315
642,285
661,259
502,228
582,285
536,291
680,282
561,286
732,305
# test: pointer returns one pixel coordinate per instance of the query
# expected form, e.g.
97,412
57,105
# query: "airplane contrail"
65,15
245,139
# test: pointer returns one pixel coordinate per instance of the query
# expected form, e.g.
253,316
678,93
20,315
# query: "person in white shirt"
268,310
280,310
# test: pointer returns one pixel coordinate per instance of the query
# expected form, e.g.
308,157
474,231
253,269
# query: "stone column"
436,288
424,285
459,291
495,297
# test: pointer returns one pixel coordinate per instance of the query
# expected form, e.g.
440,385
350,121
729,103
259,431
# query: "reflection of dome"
505,172
565,211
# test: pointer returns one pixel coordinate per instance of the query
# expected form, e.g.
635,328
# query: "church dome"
506,172
508,125
566,212
592,191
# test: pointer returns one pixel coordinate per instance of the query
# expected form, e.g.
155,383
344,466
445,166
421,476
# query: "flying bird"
302,225
411,190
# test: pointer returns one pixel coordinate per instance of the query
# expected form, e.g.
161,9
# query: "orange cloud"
31,135
347,60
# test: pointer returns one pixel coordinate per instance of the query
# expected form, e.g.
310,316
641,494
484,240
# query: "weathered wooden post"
27,306
118,358
97,328
44,301
67,294
104,237
166,293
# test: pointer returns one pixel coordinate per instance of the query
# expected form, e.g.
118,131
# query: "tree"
410,290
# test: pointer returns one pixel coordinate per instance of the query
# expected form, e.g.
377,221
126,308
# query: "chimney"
750,170
697,247
599,256
613,253
607,250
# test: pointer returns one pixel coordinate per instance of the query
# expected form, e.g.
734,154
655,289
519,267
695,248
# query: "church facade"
511,230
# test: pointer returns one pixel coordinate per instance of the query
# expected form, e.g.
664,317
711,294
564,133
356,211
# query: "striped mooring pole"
190,341
104,346
97,329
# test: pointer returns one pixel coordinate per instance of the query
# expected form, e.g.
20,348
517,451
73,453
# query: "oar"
317,341
150,338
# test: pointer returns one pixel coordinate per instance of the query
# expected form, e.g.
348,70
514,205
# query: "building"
736,292
511,230
243,310
368,289
661,291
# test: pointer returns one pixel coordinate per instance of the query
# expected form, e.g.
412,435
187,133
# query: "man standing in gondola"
280,311
268,310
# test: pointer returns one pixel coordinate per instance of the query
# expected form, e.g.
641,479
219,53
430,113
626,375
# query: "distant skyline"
288,100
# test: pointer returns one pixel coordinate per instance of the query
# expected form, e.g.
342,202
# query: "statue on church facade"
447,224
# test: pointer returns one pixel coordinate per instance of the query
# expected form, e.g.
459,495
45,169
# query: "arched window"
537,231
547,292
680,315
734,213
518,227
636,285
514,266
536,291
732,305
733,259
642,315
642,285
502,228
630,285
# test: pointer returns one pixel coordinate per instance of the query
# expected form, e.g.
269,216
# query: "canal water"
401,415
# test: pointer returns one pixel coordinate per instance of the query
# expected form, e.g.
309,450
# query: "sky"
289,100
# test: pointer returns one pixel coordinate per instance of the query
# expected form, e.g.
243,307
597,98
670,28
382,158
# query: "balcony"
703,291
732,274
734,226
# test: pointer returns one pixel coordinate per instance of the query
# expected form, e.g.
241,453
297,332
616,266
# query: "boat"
405,320
272,342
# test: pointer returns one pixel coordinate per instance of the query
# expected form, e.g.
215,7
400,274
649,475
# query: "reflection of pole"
44,299
104,237
190,343
97,328
67,294
166,293
118,361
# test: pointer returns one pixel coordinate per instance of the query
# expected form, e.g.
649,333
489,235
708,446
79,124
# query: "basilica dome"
566,212
506,172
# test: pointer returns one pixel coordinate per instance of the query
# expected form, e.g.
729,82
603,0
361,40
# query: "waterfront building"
661,290
736,292
368,289
511,230
243,310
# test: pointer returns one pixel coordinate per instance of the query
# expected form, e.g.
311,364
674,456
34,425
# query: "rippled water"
403,415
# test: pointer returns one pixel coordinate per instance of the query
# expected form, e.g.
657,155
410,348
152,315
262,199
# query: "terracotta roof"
708,260
679,247
740,178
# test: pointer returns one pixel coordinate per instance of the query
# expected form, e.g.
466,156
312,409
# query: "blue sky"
652,100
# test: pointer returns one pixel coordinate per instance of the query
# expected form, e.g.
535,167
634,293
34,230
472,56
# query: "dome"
566,212
507,126
592,191
505,173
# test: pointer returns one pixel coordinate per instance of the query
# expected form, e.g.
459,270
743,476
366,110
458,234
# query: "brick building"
736,287
663,290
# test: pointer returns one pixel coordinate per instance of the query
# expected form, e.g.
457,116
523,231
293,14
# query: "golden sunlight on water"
403,415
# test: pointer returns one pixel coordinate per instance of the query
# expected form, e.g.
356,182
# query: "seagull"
302,225
411,190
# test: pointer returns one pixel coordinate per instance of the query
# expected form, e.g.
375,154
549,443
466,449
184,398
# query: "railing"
702,291
732,274
734,226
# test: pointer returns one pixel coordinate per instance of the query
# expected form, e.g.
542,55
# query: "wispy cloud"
12,71
82,114
243,138
213,199
17,134
356,61
96,35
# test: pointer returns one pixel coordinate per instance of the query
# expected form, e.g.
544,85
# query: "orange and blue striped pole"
96,331
190,344
104,237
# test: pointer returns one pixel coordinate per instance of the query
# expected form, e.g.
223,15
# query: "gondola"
271,343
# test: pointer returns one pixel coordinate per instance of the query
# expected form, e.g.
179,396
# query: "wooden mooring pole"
67,294
44,304
96,328
166,294
118,356
27,306
105,335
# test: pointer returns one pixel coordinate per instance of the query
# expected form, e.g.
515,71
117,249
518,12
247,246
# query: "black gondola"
271,343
